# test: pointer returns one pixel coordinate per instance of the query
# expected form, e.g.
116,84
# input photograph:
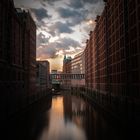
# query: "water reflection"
28,124
71,118
62,118
61,126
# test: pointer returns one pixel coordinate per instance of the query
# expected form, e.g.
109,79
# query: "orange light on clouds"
90,22
56,63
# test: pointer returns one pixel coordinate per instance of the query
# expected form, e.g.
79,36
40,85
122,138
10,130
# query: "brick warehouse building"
28,51
78,67
17,57
114,69
30,35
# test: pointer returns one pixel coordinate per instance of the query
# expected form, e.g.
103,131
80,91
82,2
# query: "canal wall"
13,105
124,109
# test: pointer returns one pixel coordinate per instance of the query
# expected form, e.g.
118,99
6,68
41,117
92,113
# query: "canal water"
63,117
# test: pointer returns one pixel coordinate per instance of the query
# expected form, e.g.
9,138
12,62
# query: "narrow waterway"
63,117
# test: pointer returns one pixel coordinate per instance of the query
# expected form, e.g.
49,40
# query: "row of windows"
118,67
11,75
118,52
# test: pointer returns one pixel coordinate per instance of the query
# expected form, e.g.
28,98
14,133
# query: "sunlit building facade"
78,67
88,63
112,56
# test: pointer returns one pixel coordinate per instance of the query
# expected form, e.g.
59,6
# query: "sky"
63,26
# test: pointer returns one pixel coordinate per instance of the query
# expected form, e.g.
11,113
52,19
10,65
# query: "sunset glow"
61,26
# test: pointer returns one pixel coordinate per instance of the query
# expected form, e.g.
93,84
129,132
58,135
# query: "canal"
63,117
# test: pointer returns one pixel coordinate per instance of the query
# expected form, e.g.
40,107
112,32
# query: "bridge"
67,76
65,79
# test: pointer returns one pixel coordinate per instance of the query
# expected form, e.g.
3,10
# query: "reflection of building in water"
86,118
78,111
90,123
97,126
67,102
74,109
60,126
82,115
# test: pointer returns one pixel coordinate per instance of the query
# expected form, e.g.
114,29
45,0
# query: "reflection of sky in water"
58,128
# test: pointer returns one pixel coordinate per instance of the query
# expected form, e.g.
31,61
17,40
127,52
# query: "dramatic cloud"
75,16
62,25
92,1
51,2
77,4
66,45
45,52
34,3
40,13
67,13
42,39
62,28
59,27
27,3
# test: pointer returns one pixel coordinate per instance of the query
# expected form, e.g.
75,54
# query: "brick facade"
112,57
17,54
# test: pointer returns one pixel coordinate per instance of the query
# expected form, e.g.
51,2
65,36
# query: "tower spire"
65,58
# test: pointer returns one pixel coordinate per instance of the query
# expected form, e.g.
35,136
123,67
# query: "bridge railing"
67,76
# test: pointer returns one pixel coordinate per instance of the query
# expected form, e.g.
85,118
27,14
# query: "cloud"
66,45
59,27
79,11
40,13
32,3
68,13
51,2
63,28
74,16
78,4
43,4
42,39
92,1
68,18
46,52
28,4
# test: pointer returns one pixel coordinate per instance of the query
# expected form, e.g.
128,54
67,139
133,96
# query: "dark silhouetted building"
17,57
28,51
